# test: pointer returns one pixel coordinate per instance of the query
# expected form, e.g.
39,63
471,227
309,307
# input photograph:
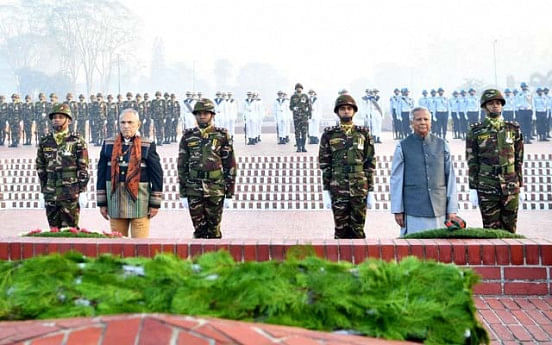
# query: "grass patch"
72,233
466,233
410,300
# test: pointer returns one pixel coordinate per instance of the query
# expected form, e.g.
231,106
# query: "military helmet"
424,92
188,93
173,95
53,95
375,90
433,91
14,95
471,89
489,95
462,92
523,85
110,96
166,94
280,92
440,89
99,94
396,90
41,95
546,89
62,108
204,104
298,85
158,93
539,89
345,100
455,93
138,95
218,93
311,92
27,96
81,96
129,94
404,90
507,90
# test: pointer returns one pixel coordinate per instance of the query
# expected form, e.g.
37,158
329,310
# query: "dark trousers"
499,211
63,213
455,124
473,117
541,124
301,127
463,123
405,120
442,122
508,115
524,119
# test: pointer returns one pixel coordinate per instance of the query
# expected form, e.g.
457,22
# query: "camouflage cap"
345,100
41,95
69,95
27,96
99,94
298,85
53,95
158,93
81,96
129,94
63,109
440,89
138,95
166,94
173,95
204,104
489,95
110,96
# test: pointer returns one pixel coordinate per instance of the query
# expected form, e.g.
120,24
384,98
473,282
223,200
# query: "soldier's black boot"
287,138
259,139
298,144
250,141
303,141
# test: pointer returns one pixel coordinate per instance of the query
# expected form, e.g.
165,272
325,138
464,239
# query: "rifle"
245,132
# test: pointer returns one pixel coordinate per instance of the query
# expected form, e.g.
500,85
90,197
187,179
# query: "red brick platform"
507,267
159,329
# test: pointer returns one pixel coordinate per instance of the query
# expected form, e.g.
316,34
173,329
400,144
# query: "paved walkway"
265,224
508,320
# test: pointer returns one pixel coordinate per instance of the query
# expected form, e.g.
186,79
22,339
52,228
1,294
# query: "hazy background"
97,45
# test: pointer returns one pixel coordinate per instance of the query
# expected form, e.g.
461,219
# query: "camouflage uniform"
301,107
74,110
169,106
206,173
63,173
129,103
146,122
28,115
347,162
158,110
175,117
15,110
82,116
494,152
41,118
3,119
112,110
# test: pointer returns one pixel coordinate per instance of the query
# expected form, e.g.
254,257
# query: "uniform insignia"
483,136
335,141
193,143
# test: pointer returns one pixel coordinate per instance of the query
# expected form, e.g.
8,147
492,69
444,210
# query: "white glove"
184,202
521,197
473,198
227,202
534,117
83,200
370,200
327,199
40,200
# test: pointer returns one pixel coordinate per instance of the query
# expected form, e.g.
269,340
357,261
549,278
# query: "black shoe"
299,149
303,149
250,142
13,145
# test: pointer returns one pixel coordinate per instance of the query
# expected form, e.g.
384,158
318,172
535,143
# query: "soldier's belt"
498,170
348,168
214,174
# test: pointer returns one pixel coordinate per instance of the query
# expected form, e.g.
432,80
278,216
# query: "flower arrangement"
71,232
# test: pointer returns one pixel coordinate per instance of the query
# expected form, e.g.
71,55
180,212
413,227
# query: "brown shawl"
133,170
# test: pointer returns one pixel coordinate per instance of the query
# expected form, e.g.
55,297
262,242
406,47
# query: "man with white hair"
129,187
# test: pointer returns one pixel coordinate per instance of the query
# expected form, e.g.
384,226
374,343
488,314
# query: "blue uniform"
540,105
473,108
463,115
442,115
406,104
509,108
524,113
454,106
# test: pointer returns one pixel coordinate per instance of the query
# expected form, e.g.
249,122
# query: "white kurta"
418,224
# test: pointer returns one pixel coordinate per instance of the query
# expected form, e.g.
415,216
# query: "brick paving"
509,320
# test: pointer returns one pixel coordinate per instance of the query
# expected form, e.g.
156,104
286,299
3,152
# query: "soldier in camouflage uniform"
93,118
15,110
347,162
3,118
28,115
206,171
41,117
74,109
112,111
175,117
167,130
147,116
62,167
301,108
129,103
102,119
494,152
158,110
82,116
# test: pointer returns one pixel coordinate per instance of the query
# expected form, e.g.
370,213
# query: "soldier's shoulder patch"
475,124
512,123
331,128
